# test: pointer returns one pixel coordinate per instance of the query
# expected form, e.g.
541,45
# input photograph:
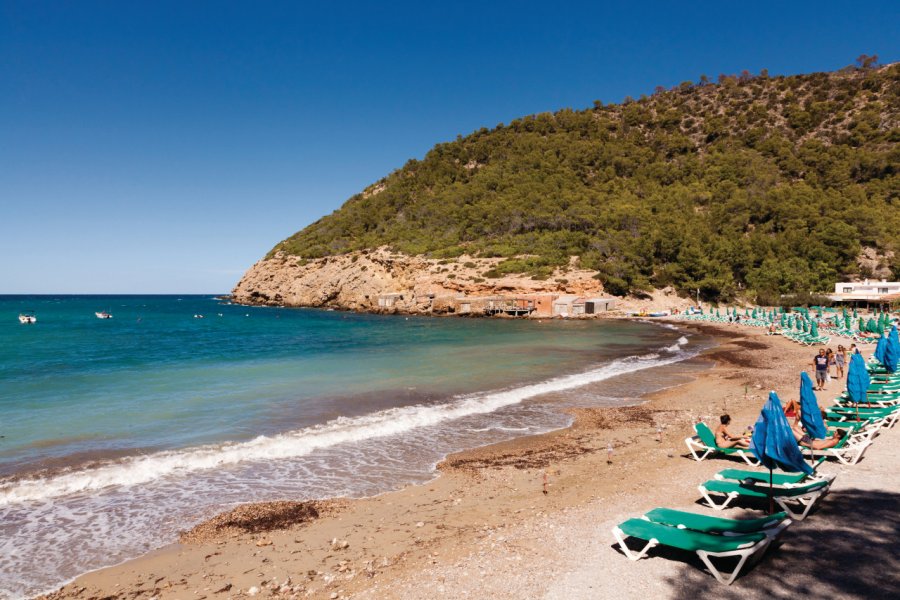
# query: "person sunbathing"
792,409
726,439
806,441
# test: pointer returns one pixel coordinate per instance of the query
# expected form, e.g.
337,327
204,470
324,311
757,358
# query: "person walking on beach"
831,363
820,363
726,439
840,359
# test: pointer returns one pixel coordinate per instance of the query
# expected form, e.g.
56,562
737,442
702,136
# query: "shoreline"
49,467
472,489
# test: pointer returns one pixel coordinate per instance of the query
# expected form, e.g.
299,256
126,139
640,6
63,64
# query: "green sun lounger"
852,426
884,387
884,376
865,412
705,442
762,477
705,545
868,423
716,525
888,415
862,409
878,394
848,451
788,498
863,428
874,400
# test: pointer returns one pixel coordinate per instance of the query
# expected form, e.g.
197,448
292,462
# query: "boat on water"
27,317
103,315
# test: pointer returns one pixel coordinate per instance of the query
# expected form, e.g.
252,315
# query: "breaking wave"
138,470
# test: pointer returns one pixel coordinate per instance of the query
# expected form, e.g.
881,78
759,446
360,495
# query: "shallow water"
119,433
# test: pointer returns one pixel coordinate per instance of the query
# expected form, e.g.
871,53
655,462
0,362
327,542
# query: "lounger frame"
754,551
695,444
848,454
806,501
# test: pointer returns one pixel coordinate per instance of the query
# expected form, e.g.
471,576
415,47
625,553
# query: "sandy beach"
531,518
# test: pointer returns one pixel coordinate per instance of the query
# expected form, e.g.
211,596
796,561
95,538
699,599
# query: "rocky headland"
382,280
750,188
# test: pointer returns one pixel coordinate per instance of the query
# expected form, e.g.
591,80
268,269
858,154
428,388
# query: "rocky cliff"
384,281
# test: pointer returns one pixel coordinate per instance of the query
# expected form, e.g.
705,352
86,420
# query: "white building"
389,300
564,306
864,291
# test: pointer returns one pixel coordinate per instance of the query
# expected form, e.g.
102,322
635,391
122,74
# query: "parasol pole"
771,493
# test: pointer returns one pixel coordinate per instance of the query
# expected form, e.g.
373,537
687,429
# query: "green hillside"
754,184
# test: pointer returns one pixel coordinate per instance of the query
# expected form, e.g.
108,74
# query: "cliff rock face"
384,281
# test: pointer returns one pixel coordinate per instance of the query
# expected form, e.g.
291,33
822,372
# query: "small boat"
663,313
198,316
103,315
27,317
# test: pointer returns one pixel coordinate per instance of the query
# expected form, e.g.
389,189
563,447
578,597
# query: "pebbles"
337,544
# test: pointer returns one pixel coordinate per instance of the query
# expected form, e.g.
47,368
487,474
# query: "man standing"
820,362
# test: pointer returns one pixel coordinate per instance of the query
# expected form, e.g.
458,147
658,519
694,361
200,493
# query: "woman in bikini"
726,439
840,359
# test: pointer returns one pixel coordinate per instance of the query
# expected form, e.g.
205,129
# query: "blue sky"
166,146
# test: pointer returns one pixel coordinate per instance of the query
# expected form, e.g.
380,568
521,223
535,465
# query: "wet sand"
527,518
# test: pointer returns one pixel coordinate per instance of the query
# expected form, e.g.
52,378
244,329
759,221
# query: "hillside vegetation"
756,184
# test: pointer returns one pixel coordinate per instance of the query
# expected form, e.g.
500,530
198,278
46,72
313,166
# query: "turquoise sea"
117,433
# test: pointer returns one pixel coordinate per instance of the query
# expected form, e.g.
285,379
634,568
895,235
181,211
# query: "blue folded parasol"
810,414
773,442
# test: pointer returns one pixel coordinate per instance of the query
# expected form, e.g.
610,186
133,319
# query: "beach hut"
593,306
578,307
543,305
562,306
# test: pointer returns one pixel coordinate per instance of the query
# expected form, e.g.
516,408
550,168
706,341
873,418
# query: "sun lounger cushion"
760,490
761,476
686,539
714,525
